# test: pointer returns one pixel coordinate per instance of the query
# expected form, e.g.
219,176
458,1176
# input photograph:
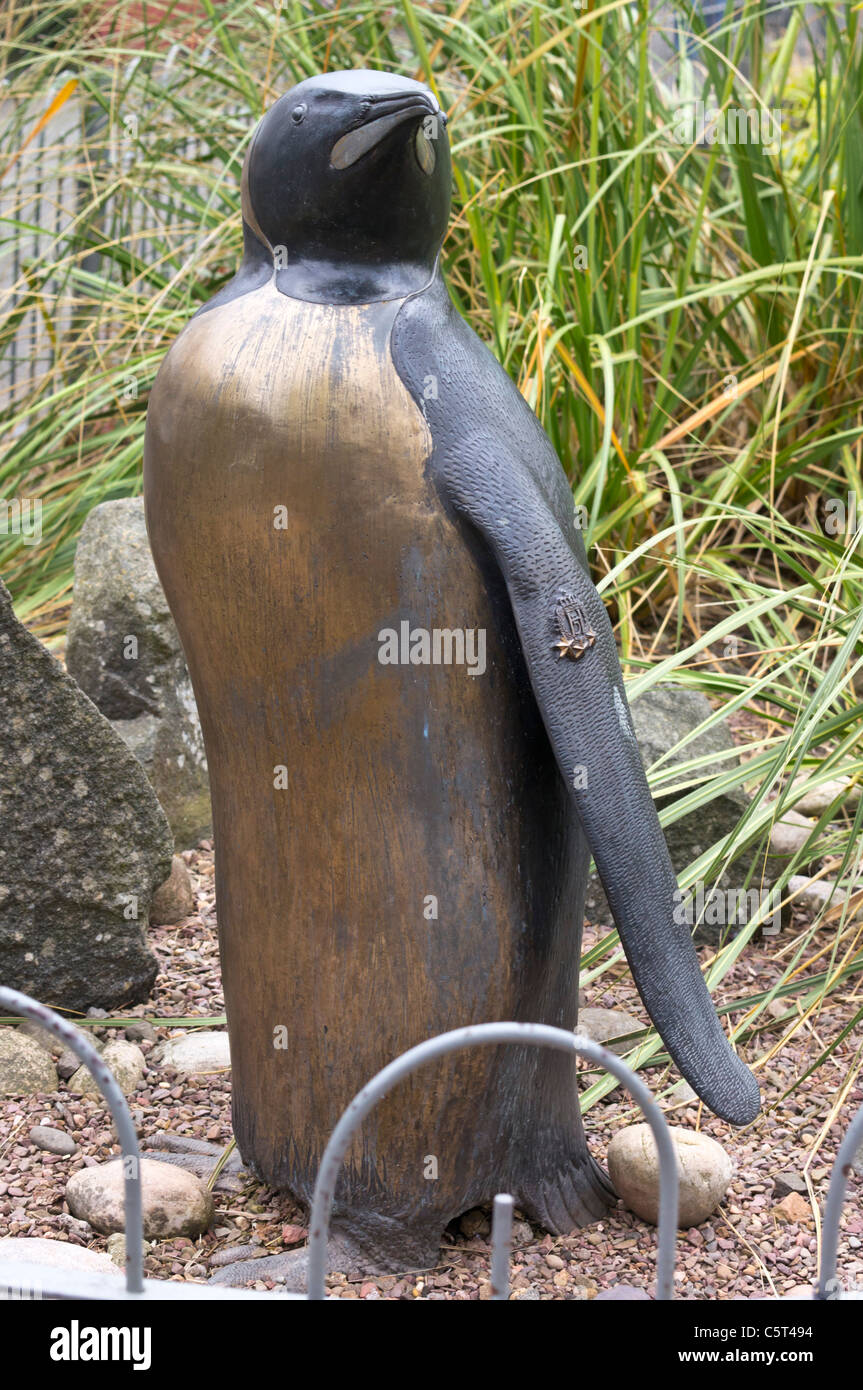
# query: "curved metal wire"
72,1037
484,1034
842,1169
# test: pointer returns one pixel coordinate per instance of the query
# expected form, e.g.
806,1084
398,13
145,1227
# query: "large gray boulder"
124,651
663,716
84,841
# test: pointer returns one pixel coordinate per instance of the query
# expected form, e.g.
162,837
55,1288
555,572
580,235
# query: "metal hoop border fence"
73,1038
486,1034
842,1169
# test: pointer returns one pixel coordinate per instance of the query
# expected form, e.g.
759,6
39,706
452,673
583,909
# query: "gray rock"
68,1062
139,736
84,840
53,1141
116,1246
666,714
704,1172
788,835
812,895
25,1068
198,1053
815,801
475,1222
69,1223
662,717
124,651
127,1062
142,1031
603,1025
41,1035
58,1254
683,1092
175,1202
174,900
786,1183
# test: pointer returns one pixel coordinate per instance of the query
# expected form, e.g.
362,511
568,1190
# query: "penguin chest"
312,453
336,624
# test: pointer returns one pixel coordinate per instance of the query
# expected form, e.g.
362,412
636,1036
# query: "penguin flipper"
569,648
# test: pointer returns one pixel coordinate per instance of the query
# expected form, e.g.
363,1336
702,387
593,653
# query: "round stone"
789,835
175,1202
25,1068
198,1053
42,1037
117,1248
704,1172
127,1062
174,900
53,1141
816,800
604,1025
59,1254
140,1031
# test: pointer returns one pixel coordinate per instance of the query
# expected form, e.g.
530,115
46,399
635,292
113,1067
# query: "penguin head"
351,171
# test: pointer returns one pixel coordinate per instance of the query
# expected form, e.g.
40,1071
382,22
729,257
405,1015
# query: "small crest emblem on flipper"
575,632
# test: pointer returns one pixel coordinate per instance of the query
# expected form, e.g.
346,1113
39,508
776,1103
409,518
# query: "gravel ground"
748,1249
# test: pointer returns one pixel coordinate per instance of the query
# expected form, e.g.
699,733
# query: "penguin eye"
425,151
298,113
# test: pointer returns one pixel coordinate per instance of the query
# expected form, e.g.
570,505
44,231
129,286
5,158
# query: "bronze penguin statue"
414,715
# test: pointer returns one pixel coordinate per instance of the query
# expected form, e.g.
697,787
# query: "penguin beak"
387,116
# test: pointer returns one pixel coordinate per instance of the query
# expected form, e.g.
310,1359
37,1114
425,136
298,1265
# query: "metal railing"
828,1285
62,1283
483,1034
75,1284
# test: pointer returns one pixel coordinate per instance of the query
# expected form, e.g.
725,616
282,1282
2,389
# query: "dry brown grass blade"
594,400
719,403
59,101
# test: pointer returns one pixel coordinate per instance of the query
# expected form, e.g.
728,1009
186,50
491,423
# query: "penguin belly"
395,851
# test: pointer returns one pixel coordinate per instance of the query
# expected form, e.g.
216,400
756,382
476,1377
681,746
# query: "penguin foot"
576,1196
290,1269
199,1157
